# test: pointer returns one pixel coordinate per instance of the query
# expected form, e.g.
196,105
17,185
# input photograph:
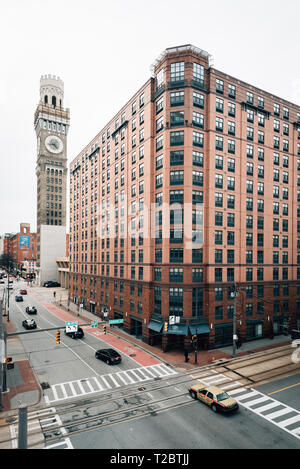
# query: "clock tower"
51,123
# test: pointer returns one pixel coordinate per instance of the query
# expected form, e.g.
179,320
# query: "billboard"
24,241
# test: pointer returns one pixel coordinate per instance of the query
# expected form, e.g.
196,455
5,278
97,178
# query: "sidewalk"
24,387
176,357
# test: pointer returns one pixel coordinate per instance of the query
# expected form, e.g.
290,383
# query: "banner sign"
24,241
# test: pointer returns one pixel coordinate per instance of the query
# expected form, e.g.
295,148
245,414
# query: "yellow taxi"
213,396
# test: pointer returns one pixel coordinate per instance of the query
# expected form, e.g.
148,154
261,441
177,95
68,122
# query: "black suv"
108,356
50,283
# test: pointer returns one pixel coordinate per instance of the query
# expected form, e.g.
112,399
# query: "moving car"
79,334
19,298
50,283
213,396
31,310
29,324
23,292
108,356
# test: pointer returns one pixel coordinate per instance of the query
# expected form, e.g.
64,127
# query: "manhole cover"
45,385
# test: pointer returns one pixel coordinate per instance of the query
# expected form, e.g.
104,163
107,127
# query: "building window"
177,72
198,73
177,98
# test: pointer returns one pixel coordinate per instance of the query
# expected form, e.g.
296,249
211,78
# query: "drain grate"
45,385
132,355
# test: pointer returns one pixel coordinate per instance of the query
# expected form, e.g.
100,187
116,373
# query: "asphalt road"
193,426
286,390
58,363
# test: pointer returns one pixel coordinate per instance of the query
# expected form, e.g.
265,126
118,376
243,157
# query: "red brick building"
21,246
190,194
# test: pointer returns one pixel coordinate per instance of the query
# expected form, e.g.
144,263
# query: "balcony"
177,84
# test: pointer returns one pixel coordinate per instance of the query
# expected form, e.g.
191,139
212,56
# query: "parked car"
213,396
29,324
10,281
50,283
23,292
79,334
31,310
19,298
108,356
2,281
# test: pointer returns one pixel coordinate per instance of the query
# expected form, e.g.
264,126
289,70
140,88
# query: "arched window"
46,99
54,101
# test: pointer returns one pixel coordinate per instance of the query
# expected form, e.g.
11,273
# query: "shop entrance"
136,327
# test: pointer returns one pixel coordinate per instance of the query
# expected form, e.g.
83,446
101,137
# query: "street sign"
171,320
94,324
71,326
116,321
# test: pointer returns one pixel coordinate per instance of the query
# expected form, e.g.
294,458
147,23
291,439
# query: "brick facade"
207,142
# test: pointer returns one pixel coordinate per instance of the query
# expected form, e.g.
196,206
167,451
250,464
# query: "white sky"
103,52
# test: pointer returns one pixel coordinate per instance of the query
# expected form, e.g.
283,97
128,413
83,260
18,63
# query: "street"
135,405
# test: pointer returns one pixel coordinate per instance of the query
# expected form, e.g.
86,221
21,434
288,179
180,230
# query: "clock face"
54,144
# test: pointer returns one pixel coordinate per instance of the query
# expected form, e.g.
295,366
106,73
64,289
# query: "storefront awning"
155,326
178,329
199,329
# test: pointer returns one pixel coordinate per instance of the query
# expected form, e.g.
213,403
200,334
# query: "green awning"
155,326
199,329
178,329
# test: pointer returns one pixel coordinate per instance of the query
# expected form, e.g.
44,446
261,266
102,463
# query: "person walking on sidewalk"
186,355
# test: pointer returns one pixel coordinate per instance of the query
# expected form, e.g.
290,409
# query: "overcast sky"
103,52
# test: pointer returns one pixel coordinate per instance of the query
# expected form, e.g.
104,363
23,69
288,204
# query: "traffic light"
104,328
194,338
166,325
9,363
58,337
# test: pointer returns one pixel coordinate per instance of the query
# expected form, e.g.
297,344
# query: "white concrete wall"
52,245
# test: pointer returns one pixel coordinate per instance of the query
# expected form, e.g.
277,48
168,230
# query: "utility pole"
22,428
7,298
2,347
196,347
234,336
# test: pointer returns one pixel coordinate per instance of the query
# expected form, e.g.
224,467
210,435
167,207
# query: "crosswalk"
96,384
279,414
39,424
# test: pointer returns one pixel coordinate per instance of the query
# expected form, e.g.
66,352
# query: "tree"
7,261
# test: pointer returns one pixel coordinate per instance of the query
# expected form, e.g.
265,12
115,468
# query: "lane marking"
283,389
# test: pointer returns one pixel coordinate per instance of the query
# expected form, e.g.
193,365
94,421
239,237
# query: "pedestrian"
186,355
54,294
